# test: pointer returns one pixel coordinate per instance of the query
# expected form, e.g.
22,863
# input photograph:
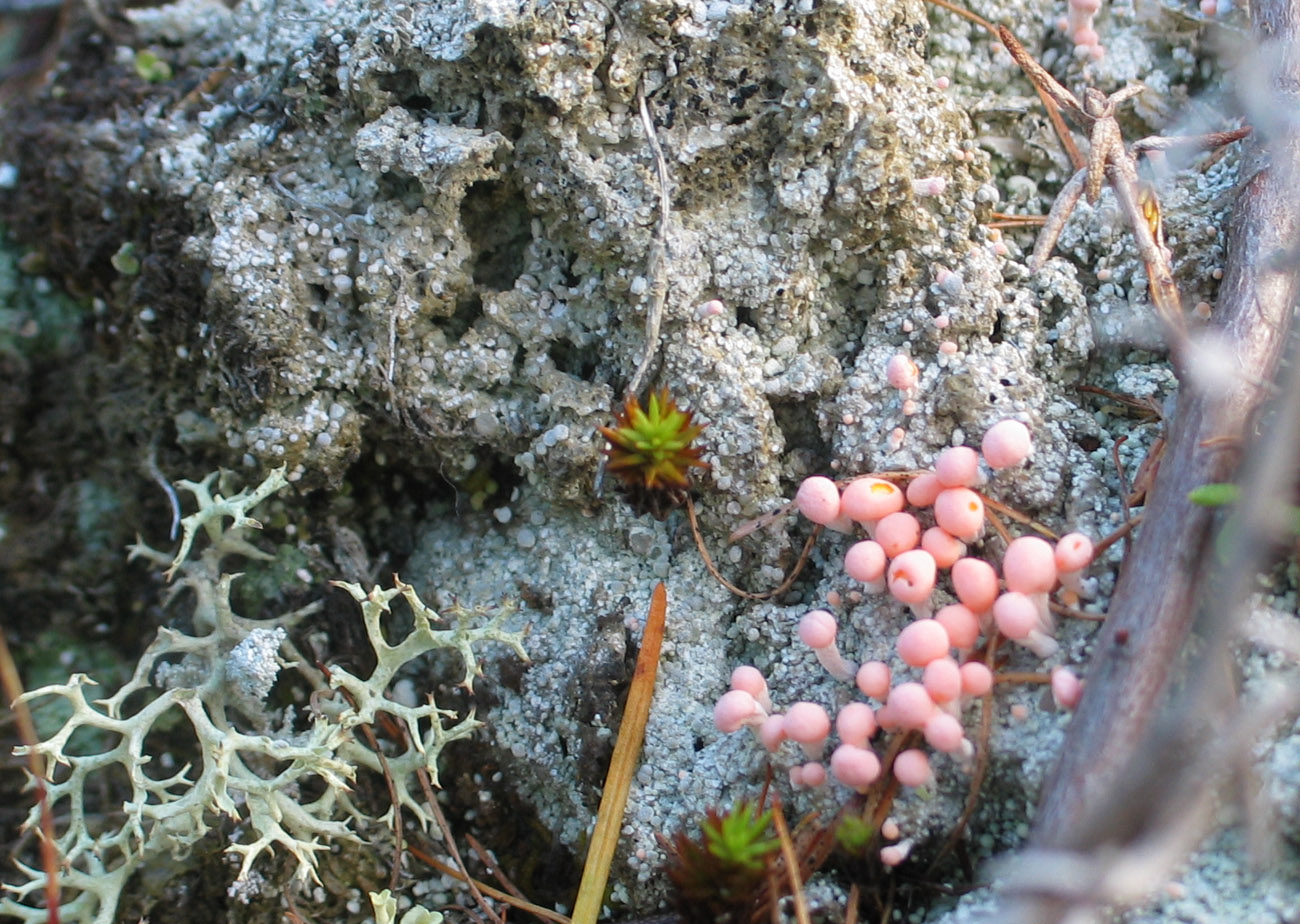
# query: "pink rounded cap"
1029,566
1016,615
855,723
942,680
736,708
895,854
868,499
911,576
976,678
958,467
818,499
923,489
912,768
772,732
943,546
922,642
854,766
897,533
812,774
975,583
960,511
901,371
962,625
1066,688
944,733
750,679
865,561
817,629
806,723
873,679
1073,552
1086,36
1006,444
910,706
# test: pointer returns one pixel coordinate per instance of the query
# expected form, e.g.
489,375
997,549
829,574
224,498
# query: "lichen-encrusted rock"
427,228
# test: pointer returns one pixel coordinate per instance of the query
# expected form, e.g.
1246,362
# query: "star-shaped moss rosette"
650,451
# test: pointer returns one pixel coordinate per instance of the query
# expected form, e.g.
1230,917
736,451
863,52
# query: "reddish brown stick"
1161,585
1127,789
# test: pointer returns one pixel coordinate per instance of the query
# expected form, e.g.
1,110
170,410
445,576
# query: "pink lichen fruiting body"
929,186
811,774
909,706
865,561
944,733
1067,688
958,467
873,679
1029,566
735,709
1018,618
911,580
976,679
912,768
923,489
772,732
855,767
922,642
1016,615
808,724
1073,555
867,500
975,583
750,679
818,499
962,625
898,532
960,511
855,724
817,630
943,546
1006,443
901,372
895,854
942,680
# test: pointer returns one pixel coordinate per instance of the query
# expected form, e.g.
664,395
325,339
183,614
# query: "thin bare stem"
801,914
740,591
505,897
449,841
12,686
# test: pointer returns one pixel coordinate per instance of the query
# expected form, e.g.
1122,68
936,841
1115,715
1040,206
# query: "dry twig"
1123,802
1110,161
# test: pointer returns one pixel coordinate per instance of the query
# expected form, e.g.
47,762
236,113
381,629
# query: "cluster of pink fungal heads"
1077,23
914,537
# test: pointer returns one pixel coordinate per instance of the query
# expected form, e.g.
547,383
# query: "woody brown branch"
1100,793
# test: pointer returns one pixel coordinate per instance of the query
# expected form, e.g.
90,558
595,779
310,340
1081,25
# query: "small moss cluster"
650,451
719,877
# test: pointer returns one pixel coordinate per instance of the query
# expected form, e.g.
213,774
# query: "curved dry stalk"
740,591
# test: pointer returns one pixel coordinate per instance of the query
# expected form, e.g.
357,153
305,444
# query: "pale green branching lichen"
255,761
